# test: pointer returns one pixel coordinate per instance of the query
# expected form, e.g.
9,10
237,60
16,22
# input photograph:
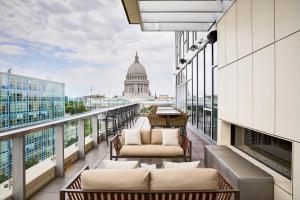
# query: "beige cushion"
184,179
132,137
170,137
113,179
112,164
156,136
151,150
181,165
145,136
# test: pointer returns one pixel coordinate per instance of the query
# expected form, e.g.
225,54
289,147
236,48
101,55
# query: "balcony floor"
95,157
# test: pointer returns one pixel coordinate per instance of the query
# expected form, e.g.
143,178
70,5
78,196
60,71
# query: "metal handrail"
37,127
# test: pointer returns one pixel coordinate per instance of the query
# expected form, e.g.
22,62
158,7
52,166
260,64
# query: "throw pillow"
132,137
181,165
170,137
112,164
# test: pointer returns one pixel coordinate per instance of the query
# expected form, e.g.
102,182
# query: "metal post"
59,151
95,130
18,167
81,138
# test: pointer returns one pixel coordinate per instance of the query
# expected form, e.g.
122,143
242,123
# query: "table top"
168,112
165,108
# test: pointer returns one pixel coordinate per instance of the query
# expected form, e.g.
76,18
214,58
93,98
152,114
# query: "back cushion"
115,179
184,179
146,136
156,136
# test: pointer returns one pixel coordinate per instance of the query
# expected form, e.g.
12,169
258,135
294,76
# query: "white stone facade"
136,83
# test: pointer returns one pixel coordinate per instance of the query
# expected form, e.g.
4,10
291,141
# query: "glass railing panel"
5,168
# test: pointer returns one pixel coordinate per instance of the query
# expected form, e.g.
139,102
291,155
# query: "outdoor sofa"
151,146
144,184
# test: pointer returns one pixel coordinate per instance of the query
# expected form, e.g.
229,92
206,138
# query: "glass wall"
196,85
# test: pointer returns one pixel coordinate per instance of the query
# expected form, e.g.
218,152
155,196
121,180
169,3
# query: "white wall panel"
288,87
231,92
231,50
222,93
263,89
245,91
287,17
221,42
262,23
244,31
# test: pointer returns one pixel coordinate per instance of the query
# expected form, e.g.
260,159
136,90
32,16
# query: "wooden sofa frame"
74,192
185,144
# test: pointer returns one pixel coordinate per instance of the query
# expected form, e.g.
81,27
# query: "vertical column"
95,130
18,167
59,151
81,138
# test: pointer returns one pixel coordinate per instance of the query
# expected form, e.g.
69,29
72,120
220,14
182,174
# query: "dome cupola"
136,68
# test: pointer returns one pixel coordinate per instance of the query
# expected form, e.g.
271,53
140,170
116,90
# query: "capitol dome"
136,68
136,83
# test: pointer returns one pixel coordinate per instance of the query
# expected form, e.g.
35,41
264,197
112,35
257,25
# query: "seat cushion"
151,150
184,179
115,179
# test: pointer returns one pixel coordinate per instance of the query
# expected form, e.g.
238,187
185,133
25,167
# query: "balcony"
45,179
31,180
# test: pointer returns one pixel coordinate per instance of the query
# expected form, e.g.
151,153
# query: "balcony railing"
17,137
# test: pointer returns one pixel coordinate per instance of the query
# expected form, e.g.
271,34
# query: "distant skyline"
82,44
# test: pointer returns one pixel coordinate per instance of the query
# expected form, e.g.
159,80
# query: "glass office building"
25,101
196,83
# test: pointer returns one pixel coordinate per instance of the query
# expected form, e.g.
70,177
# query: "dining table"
168,113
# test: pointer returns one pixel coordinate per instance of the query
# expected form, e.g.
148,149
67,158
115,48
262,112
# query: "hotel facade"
242,87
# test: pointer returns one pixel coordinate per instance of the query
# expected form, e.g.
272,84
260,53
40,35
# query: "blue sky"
83,44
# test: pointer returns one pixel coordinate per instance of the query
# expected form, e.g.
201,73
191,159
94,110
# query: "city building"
26,101
237,73
136,84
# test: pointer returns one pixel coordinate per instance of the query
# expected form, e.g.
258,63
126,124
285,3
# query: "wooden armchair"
157,121
180,122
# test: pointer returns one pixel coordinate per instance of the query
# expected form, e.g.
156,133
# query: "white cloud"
95,33
11,49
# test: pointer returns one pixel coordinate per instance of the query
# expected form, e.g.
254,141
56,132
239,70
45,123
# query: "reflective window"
200,90
215,105
195,81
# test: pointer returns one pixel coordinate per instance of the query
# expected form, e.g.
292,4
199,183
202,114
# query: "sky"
82,43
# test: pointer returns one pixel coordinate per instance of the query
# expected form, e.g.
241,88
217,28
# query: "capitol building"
136,84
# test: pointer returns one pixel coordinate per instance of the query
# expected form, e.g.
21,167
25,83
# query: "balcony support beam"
18,167
81,138
95,130
59,151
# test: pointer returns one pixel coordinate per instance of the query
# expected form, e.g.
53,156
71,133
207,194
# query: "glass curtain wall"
196,83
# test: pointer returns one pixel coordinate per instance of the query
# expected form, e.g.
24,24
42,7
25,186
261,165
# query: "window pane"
200,90
207,124
208,76
194,110
189,72
215,105
189,98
